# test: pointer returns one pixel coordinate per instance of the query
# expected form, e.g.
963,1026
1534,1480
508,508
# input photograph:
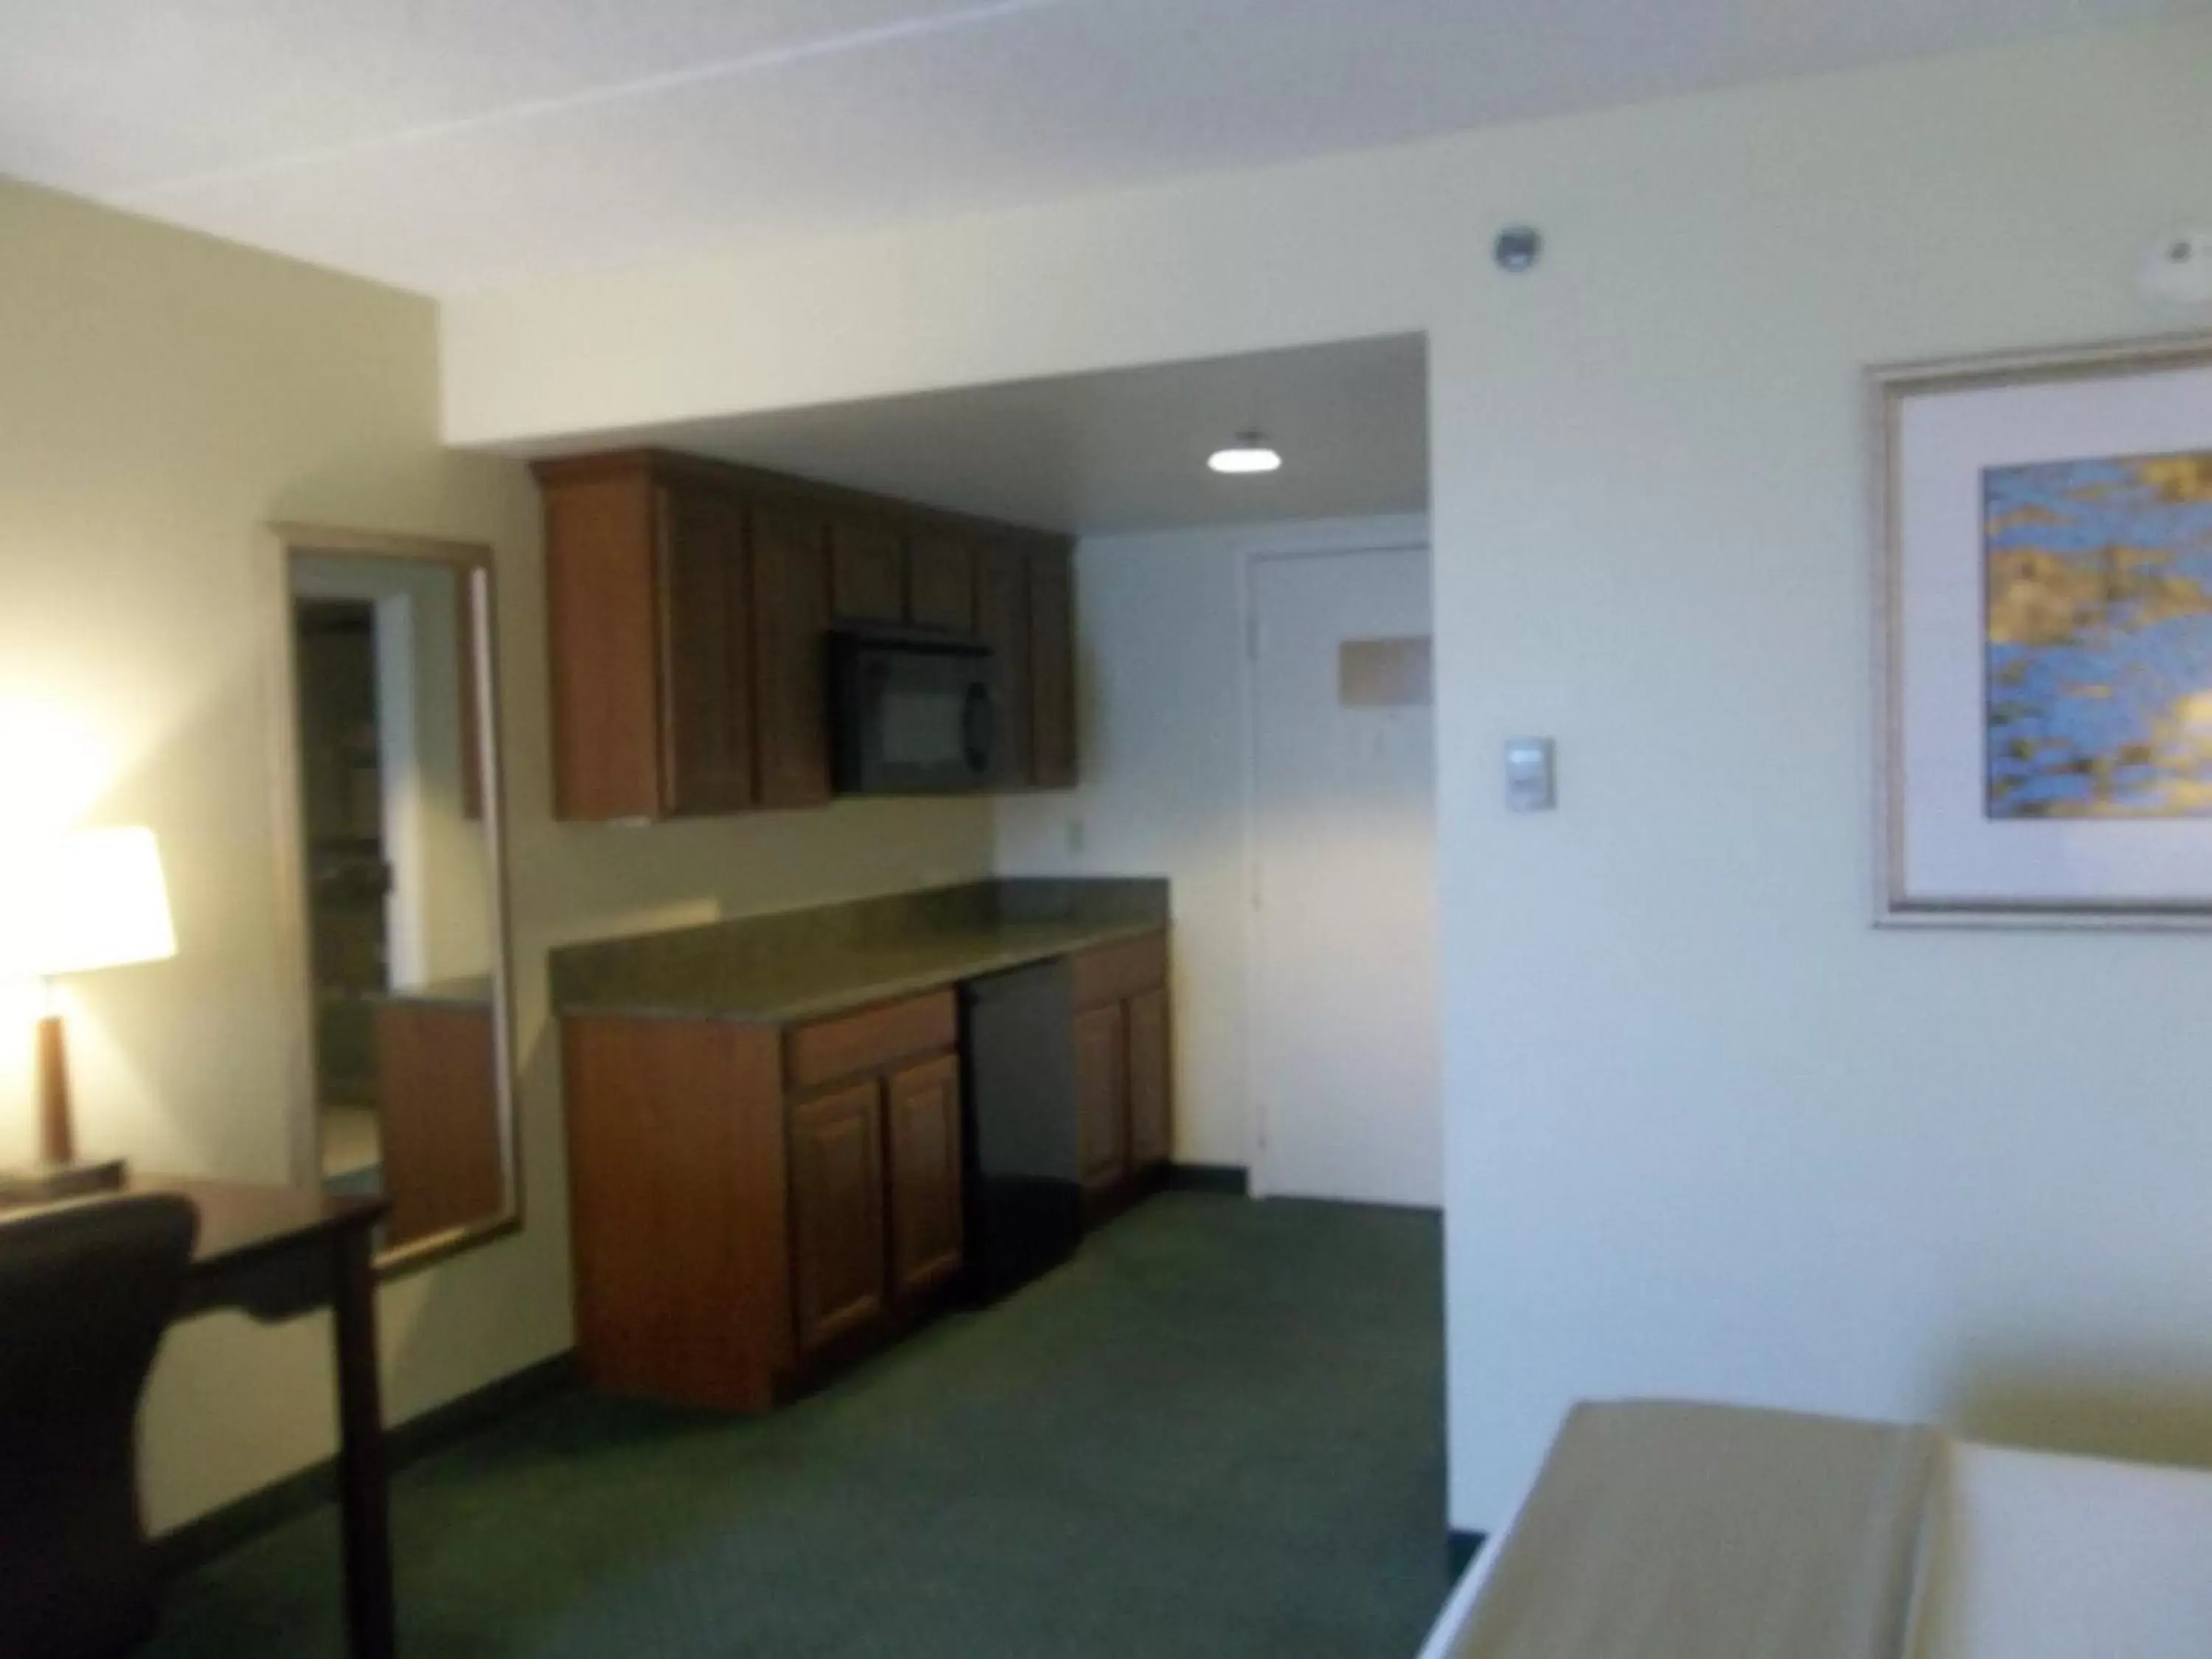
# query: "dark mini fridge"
1023,1176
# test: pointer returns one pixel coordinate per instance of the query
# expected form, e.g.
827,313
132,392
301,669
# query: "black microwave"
911,712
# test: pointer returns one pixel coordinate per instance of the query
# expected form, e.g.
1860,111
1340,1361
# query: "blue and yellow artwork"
2099,638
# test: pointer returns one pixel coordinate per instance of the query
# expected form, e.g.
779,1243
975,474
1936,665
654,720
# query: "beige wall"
162,396
1707,1130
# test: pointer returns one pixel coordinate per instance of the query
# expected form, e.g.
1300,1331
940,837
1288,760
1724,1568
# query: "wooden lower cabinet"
679,1191
922,1117
840,1279
1123,1070
1151,1124
1101,1097
753,1205
756,1205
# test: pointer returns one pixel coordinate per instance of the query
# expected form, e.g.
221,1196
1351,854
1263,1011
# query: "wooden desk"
277,1253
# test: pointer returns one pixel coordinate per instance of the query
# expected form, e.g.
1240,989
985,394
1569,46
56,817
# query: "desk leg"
364,1498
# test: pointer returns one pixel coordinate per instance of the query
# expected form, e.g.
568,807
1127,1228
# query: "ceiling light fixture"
1250,455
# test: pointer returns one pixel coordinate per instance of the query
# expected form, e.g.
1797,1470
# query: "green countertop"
882,973
796,966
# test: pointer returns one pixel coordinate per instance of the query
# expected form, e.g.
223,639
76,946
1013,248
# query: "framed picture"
2046,683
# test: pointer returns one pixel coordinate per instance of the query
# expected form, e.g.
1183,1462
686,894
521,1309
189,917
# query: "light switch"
1531,775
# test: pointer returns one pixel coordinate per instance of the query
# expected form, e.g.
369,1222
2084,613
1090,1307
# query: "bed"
1834,1541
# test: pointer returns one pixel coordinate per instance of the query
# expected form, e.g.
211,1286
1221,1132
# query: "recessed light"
1250,454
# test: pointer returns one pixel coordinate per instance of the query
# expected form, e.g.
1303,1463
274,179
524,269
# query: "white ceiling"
451,144
1121,451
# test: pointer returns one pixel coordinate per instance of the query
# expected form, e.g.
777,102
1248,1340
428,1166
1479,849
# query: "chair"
85,1292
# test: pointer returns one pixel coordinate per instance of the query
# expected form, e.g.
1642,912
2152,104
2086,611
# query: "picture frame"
2043,638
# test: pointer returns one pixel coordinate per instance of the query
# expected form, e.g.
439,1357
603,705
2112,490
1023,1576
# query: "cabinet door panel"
923,1125
940,584
830,1050
838,1213
1002,621
706,651
791,603
679,1170
1052,668
1151,1124
1101,1093
438,1119
602,639
868,566
1115,973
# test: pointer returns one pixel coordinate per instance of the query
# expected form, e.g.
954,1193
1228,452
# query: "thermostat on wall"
1531,780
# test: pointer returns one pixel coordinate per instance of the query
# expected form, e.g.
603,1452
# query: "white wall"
1706,1131
1165,758
164,396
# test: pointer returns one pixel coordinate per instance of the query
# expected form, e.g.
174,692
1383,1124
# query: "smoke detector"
2178,270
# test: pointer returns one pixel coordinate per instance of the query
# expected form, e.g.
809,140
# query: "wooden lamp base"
58,1174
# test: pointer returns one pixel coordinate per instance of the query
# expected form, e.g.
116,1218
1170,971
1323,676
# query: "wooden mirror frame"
288,542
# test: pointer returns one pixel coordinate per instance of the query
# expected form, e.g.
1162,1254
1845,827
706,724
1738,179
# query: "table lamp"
91,900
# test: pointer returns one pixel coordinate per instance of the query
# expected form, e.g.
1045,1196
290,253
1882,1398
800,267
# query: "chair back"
86,1291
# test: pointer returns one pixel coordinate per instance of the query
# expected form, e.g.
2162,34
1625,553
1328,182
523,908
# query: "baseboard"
1228,1178
220,1531
1460,1550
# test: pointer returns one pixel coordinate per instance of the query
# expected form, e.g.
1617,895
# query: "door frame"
1408,533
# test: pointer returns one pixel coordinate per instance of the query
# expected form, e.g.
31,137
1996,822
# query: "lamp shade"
92,899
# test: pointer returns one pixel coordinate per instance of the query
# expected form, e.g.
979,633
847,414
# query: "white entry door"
1343,831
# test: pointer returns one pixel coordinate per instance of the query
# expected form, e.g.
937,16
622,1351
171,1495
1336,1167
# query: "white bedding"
2033,1556
2041,1557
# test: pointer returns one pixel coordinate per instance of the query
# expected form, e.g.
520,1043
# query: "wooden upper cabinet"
940,583
791,619
706,650
1152,1129
602,618
838,1264
688,608
1002,621
1101,1097
868,570
650,635
1051,667
921,1122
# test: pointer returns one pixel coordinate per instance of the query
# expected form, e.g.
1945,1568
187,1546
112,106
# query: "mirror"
393,849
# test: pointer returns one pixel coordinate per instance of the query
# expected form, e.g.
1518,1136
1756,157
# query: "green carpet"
1217,1432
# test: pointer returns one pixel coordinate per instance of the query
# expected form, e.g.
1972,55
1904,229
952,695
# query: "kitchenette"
795,1137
